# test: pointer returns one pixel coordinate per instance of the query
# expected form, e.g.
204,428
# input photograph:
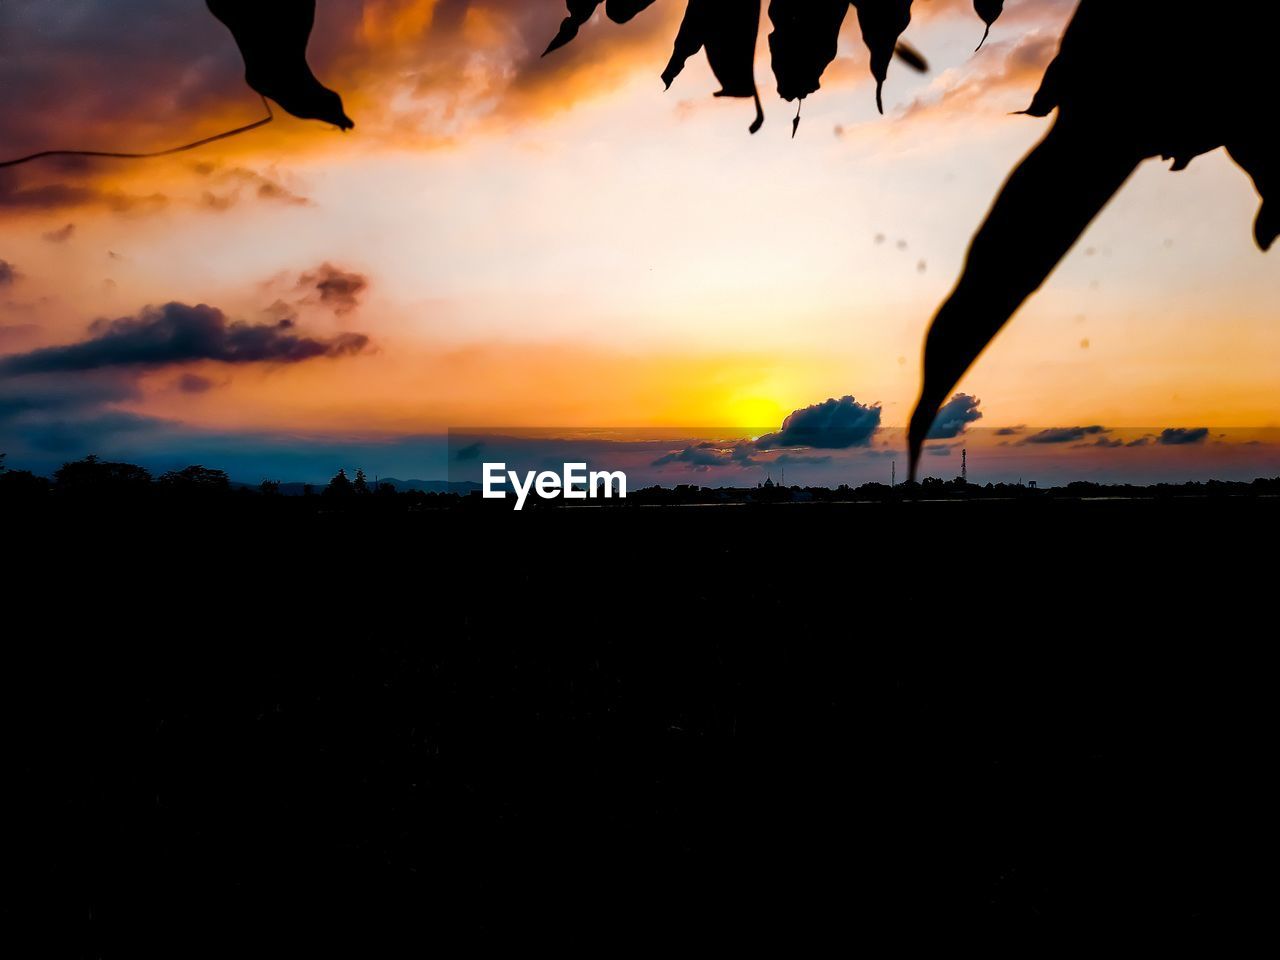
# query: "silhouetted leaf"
1123,93
727,29
1256,153
620,11
989,11
882,22
580,12
803,42
273,38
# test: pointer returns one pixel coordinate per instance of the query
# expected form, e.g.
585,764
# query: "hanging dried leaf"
882,23
1123,93
580,12
989,11
620,11
803,43
273,41
727,29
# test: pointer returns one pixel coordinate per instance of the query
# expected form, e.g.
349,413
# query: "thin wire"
145,156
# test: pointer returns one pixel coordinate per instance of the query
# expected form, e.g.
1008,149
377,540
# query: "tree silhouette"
20,485
195,481
339,486
94,477
361,485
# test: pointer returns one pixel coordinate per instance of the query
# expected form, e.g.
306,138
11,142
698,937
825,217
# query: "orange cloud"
414,73
1016,65
418,73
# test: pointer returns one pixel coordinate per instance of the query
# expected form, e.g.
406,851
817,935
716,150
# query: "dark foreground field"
797,720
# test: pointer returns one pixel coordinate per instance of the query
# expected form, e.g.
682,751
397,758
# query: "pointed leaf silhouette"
989,11
620,11
882,22
273,38
1123,93
803,43
728,30
580,11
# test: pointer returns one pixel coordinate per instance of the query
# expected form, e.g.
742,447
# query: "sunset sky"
506,240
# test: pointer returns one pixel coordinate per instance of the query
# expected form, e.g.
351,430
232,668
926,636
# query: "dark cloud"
831,425
281,312
8,274
708,454
32,190
65,414
1182,436
62,401
1064,434
691,455
470,452
194,383
73,436
1010,431
177,333
17,195
132,75
956,414
90,67
62,234
338,289
56,395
